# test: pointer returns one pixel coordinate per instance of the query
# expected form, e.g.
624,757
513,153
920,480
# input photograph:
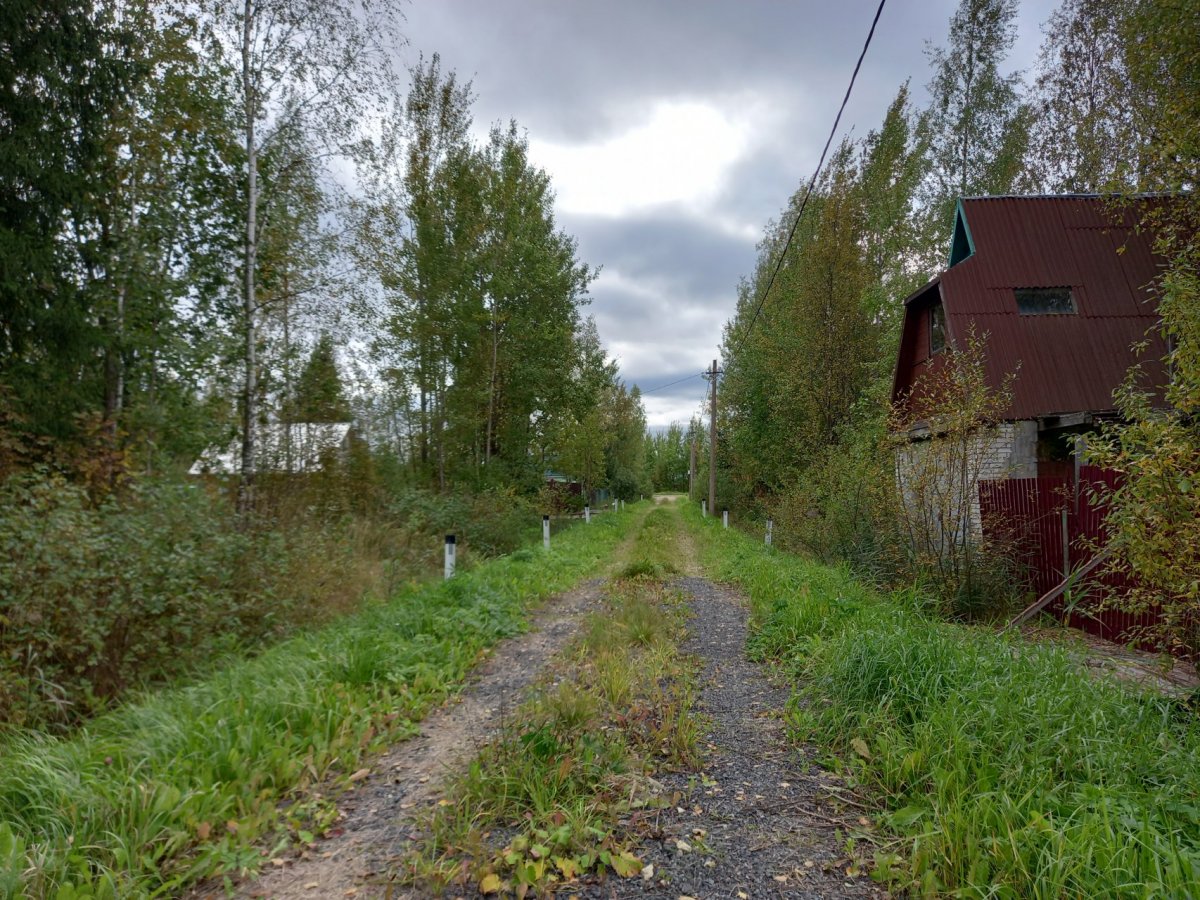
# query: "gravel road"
758,822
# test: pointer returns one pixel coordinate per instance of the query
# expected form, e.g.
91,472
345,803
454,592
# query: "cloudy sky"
674,130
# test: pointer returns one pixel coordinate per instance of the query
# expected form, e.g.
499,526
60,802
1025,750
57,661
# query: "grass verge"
565,790
181,785
1003,770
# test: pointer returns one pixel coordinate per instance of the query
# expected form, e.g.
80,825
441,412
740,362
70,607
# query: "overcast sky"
674,131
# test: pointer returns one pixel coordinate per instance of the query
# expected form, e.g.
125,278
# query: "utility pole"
712,440
692,473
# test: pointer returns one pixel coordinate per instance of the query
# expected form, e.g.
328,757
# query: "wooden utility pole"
692,473
712,440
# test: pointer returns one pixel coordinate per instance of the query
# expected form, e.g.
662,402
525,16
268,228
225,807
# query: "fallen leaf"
278,863
568,866
232,826
647,871
742,895
710,863
311,885
782,879
360,774
203,830
860,747
626,864
489,884
683,846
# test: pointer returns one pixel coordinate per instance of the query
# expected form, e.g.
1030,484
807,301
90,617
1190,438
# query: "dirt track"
760,820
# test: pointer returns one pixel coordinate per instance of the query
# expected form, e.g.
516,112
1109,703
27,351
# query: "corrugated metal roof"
1064,363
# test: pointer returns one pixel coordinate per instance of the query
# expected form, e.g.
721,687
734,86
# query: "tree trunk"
246,485
487,452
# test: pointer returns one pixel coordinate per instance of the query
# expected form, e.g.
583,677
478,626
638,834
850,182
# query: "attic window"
1056,301
937,329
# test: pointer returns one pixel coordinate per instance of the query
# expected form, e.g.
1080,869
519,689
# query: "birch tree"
1085,136
978,126
320,65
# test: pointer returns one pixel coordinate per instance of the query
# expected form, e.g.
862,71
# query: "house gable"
1069,357
962,244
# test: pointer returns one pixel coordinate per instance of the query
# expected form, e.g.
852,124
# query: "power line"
812,183
672,383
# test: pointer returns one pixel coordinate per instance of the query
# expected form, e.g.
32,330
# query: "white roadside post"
546,532
704,509
450,551
587,515
725,517
770,528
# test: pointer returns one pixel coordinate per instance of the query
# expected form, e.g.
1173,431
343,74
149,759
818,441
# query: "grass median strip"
1002,773
181,785
567,789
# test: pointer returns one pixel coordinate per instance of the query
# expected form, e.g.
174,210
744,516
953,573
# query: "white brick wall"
1007,450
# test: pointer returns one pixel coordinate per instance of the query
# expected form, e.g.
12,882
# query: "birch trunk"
246,485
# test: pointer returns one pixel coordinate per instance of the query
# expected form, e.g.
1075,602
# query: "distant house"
296,448
1060,286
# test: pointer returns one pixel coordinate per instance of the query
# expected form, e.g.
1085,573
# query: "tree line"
225,225
1110,108
199,201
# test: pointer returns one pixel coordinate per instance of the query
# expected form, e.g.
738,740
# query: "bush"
490,523
97,597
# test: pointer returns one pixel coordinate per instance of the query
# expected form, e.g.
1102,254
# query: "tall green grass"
1005,770
655,546
175,788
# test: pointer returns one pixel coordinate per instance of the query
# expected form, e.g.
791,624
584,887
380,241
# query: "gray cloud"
576,72
682,249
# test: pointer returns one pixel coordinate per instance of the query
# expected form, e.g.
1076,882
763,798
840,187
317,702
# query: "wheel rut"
759,820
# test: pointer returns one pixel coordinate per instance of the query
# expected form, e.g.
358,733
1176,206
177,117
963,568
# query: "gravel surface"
758,822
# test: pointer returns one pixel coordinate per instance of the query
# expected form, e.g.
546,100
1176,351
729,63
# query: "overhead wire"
672,383
811,184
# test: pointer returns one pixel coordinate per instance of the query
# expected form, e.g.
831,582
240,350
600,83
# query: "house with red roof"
1061,290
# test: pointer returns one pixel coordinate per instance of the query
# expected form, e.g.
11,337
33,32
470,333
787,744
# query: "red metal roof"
1064,363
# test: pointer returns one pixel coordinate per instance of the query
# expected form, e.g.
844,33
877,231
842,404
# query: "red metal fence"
1056,525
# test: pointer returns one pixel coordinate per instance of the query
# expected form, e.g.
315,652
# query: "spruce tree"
319,395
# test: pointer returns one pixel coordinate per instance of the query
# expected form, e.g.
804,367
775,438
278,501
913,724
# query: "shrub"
97,597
